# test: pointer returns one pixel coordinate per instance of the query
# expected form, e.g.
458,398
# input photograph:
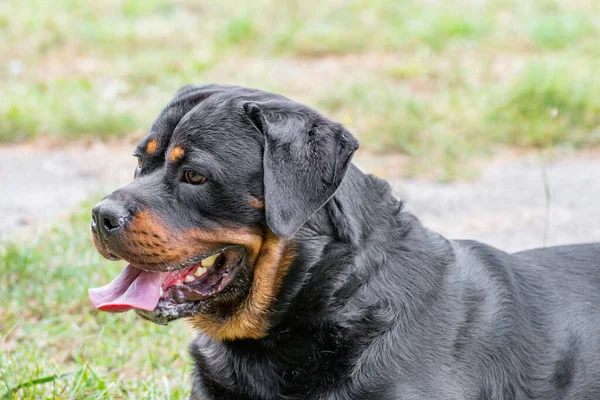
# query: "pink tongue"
134,288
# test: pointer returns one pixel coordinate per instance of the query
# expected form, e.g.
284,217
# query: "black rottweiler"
307,280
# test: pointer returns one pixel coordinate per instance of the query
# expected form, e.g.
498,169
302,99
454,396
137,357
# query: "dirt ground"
505,207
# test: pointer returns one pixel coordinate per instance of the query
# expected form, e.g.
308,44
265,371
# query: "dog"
306,279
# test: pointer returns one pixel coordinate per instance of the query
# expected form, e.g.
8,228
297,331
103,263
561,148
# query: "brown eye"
139,163
194,178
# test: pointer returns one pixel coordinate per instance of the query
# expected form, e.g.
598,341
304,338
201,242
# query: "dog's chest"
290,367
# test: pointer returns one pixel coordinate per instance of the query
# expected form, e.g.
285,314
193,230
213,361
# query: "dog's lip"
104,250
214,279
111,256
136,288
197,259
184,302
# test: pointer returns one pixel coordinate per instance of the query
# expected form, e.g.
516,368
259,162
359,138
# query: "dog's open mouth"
194,281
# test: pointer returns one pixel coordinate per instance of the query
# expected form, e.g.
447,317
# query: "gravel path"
37,185
506,207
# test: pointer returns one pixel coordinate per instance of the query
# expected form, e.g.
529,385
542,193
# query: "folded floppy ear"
304,161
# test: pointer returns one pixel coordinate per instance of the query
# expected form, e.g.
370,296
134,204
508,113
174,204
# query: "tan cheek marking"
256,202
151,147
155,245
271,257
250,238
176,153
251,319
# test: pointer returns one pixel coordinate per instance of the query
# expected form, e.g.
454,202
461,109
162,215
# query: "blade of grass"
52,378
5,380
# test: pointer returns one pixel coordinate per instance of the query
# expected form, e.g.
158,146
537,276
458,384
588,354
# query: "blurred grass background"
442,83
48,329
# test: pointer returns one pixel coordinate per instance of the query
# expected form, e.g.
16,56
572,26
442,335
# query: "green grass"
438,132
64,108
53,344
551,102
557,31
451,81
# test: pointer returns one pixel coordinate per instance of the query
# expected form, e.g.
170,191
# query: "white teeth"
210,261
189,278
200,271
162,292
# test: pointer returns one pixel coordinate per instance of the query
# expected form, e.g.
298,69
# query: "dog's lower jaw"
217,306
243,309
168,312
251,318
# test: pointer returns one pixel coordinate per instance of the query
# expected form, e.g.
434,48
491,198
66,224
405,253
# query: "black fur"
375,306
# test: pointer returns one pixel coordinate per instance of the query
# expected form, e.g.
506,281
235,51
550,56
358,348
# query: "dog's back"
572,293
531,322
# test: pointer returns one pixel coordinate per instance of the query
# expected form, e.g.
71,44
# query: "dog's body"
370,304
391,310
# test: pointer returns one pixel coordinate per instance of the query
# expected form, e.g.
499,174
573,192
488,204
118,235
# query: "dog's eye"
138,169
194,178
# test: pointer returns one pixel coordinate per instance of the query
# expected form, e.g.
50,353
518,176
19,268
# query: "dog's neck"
362,204
353,239
361,262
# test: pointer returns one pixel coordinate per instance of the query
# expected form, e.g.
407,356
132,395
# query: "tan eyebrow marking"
256,202
176,153
151,147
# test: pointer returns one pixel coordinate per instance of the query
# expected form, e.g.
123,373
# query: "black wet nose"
108,216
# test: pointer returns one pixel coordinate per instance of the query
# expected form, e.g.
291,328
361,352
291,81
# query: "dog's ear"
304,161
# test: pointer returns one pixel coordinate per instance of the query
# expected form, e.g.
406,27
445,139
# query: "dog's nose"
109,216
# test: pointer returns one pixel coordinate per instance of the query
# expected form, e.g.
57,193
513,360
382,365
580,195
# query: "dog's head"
226,176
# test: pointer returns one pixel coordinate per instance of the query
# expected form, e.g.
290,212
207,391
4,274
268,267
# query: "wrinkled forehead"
217,126
211,120
161,131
